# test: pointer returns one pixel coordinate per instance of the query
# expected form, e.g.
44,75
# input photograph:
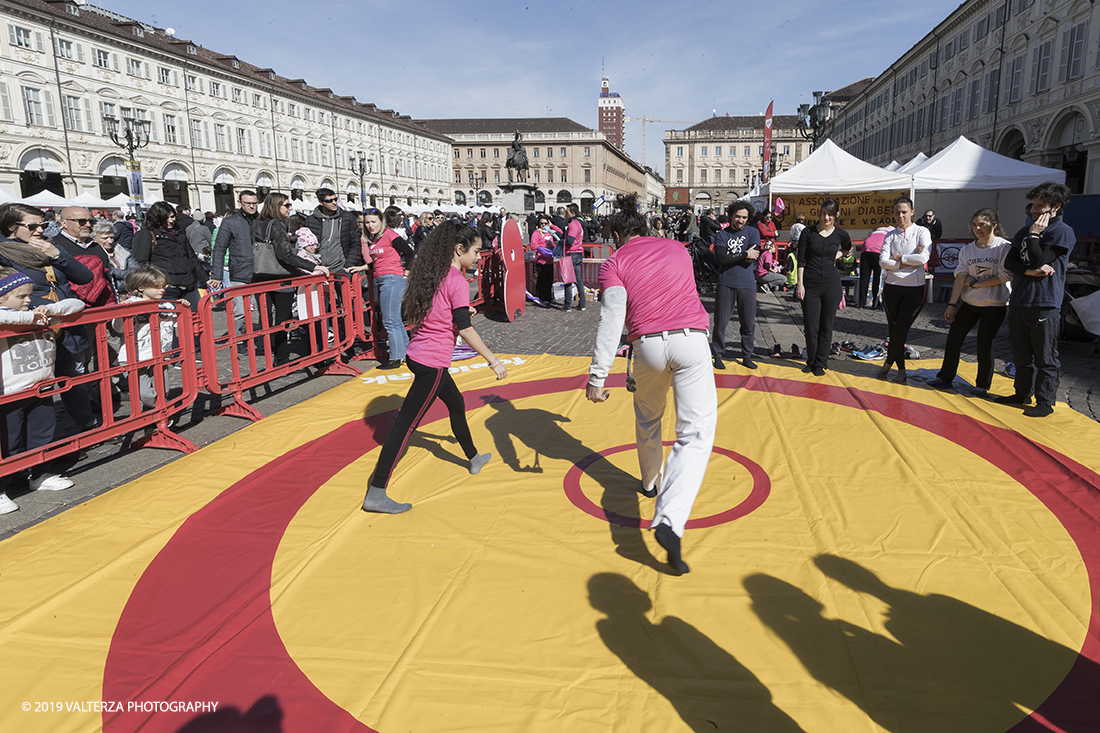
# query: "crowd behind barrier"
334,313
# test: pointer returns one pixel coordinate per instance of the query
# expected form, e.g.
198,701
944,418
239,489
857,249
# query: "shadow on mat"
950,666
380,428
540,431
706,685
265,716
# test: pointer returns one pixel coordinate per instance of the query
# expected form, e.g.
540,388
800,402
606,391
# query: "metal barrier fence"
332,313
108,329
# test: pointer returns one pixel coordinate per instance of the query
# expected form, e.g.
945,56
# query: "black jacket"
707,229
285,252
171,253
350,236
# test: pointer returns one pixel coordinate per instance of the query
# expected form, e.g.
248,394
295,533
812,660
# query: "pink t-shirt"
387,260
660,286
433,342
575,230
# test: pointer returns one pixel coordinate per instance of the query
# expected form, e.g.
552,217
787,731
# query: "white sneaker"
50,482
7,506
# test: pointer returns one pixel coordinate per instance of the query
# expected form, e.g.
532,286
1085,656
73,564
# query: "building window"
718,176
65,49
587,175
164,76
311,153
74,114
215,89
496,152
1014,81
194,52
38,107
1040,67
20,37
703,151
221,141
717,151
679,152
496,176
563,152
549,152
458,176
292,109
563,180
760,150
1072,65
170,130
192,83
101,58
975,99
256,100
703,175
535,152
483,153
242,148
746,152
992,89
238,95
295,150
139,32
957,106
786,150
469,152
536,172
733,174
456,153
679,175
587,152
196,133
133,67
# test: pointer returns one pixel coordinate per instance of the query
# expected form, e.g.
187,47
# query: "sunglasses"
371,211
288,205
33,227
249,203
81,222
328,201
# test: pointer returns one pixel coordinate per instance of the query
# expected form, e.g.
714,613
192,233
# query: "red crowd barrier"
98,382
326,305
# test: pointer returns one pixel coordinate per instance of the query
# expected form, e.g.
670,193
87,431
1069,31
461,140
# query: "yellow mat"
865,557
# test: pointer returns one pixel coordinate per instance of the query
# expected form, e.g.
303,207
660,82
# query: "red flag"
768,142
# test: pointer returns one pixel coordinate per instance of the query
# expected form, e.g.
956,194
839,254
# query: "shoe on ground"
777,352
911,353
7,506
748,363
835,349
937,383
718,363
1039,411
390,364
581,307
795,351
807,369
50,482
1011,399
818,372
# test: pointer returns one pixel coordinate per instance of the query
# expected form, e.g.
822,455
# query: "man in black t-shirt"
736,249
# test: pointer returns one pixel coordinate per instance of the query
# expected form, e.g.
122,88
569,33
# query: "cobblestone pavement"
779,321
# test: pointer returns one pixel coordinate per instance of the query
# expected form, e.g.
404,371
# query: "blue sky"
669,61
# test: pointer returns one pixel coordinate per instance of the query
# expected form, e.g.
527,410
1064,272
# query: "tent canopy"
892,166
964,165
46,198
916,162
829,169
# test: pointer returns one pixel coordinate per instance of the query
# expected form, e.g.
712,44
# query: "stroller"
705,265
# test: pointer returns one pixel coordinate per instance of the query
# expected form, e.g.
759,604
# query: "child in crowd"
437,304
148,282
309,296
26,360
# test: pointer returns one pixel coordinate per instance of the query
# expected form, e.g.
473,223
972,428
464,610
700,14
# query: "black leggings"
428,383
819,309
903,304
989,319
869,273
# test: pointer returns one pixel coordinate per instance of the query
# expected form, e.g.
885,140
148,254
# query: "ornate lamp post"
478,184
133,137
815,123
366,167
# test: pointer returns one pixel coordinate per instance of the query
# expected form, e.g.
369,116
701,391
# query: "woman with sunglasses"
271,226
52,271
163,244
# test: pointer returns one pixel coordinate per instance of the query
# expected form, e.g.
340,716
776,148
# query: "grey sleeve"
610,331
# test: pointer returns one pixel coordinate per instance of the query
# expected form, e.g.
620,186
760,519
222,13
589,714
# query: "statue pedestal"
520,198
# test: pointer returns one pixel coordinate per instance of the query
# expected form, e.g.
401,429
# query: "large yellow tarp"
901,562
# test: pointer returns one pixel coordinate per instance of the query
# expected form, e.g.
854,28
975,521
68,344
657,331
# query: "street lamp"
134,137
815,123
478,184
366,167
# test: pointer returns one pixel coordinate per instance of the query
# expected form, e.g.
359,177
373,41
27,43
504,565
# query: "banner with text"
869,210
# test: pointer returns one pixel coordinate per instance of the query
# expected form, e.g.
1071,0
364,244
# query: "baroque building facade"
217,124
716,161
569,163
1019,77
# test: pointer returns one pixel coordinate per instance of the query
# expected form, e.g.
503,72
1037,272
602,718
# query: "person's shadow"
706,685
265,716
949,665
540,430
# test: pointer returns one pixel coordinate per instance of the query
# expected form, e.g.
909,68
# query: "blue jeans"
577,258
391,289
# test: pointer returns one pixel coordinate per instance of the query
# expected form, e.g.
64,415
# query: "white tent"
46,198
892,166
6,198
829,169
89,201
965,177
119,201
916,162
967,166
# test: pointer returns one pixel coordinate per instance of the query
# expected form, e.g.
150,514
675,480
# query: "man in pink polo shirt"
649,286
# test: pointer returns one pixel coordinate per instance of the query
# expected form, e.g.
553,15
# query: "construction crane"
643,119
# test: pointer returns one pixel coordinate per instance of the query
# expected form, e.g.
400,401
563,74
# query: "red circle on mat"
761,488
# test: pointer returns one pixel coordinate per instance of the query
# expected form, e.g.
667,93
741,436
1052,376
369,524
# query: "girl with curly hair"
437,305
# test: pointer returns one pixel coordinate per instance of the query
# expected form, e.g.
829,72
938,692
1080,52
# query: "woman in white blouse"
905,252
